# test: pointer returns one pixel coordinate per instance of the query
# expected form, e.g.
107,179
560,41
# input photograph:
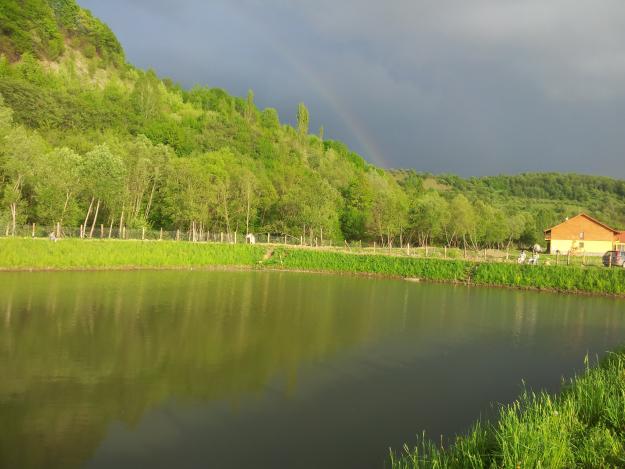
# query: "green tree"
102,173
389,208
462,221
189,193
56,184
18,152
250,110
145,164
303,120
356,213
516,226
492,227
146,96
270,120
428,216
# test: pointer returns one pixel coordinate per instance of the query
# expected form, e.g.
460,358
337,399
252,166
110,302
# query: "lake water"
266,370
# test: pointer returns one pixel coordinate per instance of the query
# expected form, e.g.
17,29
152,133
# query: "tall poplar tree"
249,111
303,120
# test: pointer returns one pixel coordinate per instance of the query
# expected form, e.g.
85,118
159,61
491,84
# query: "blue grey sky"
470,87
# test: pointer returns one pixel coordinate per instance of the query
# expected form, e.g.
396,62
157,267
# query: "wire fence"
146,234
355,247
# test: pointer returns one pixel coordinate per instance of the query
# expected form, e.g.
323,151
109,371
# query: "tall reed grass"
561,278
314,260
572,279
584,426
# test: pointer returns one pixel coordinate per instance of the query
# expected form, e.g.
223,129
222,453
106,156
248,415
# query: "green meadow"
74,254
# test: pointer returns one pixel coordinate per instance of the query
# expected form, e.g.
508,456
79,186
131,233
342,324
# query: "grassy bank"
560,278
24,254
329,261
584,426
557,278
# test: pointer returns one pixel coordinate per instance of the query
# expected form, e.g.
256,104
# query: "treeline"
132,181
90,140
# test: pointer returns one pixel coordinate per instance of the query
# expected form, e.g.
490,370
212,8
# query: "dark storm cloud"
472,87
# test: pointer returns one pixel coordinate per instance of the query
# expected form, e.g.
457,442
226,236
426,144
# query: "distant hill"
89,139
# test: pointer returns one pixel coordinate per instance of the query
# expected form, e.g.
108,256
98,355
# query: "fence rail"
355,247
145,234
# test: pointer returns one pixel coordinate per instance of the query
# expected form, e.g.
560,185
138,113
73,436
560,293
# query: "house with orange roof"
583,234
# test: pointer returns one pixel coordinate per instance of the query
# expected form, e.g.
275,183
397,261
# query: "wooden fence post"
81,232
374,247
33,230
178,235
408,247
557,257
285,240
143,234
161,235
235,237
445,251
268,238
58,230
568,258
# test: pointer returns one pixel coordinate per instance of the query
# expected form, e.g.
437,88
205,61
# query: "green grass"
584,426
560,278
329,261
572,279
25,254
95,254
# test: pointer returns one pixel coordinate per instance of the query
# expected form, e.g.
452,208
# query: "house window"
581,235
581,245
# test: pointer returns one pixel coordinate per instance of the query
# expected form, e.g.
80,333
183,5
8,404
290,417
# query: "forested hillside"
87,139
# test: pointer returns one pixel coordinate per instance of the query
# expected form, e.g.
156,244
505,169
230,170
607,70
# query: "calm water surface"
247,369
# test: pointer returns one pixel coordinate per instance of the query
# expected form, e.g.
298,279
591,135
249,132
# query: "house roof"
609,228
621,237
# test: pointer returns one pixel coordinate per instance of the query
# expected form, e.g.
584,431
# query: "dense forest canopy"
87,139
